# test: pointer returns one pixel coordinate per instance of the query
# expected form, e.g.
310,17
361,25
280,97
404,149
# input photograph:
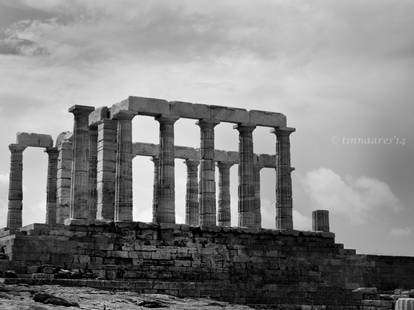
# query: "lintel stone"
267,119
229,114
34,139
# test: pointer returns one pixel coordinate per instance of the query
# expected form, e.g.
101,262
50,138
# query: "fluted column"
192,212
257,201
320,220
166,178
106,169
14,213
224,214
207,184
283,179
246,176
124,156
156,161
92,173
79,190
64,171
51,187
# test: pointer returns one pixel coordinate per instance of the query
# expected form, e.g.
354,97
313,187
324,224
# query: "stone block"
99,114
34,139
267,119
190,110
148,106
230,115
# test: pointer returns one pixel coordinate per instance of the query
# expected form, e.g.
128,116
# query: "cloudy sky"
341,71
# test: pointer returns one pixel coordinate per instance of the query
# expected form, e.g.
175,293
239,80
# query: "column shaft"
124,156
79,193
64,171
14,213
224,214
106,169
92,174
283,179
166,178
156,161
246,176
257,205
51,187
207,184
192,212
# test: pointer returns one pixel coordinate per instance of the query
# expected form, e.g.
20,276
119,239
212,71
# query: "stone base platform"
253,266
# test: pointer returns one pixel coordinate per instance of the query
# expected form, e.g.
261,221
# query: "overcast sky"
341,71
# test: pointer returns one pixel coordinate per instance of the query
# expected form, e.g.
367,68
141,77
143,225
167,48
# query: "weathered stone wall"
257,266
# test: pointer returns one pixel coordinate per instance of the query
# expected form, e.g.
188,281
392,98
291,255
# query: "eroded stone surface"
34,139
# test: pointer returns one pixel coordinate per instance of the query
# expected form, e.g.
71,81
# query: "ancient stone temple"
89,223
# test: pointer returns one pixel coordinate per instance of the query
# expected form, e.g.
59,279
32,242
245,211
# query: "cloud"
402,232
357,199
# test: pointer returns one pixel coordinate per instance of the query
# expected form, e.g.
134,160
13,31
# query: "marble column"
192,212
257,202
207,190
79,190
92,173
123,174
106,169
51,187
320,220
156,161
64,171
166,179
283,179
246,176
224,214
14,213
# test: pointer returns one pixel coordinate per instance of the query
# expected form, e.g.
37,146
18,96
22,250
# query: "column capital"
206,123
192,163
15,148
283,131
245,127
224,164
81,110
52,151
167,119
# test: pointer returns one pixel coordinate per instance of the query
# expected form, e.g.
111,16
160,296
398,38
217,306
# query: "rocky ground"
22,297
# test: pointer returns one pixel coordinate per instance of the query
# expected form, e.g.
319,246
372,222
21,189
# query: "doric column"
79,190
14,213
192,212
92,175
257,202
51,187
207,184
124,156
320,220
283,179
166,180
224,214
64,171
156,161
246,176
106,169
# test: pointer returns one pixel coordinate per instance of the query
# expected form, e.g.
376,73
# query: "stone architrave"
192,212
246,176
51,187
283,179
14,214
224,214
79,190
207,189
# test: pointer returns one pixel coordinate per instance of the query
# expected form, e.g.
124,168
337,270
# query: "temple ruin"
89,223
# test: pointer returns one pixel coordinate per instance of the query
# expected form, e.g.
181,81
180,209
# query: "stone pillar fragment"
14,213
92,173
283,179
192,212
166,178
79,190
64,171
156,161
224,214
257,201
320,220
106,169
51,187
207,190
246,176
124,156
